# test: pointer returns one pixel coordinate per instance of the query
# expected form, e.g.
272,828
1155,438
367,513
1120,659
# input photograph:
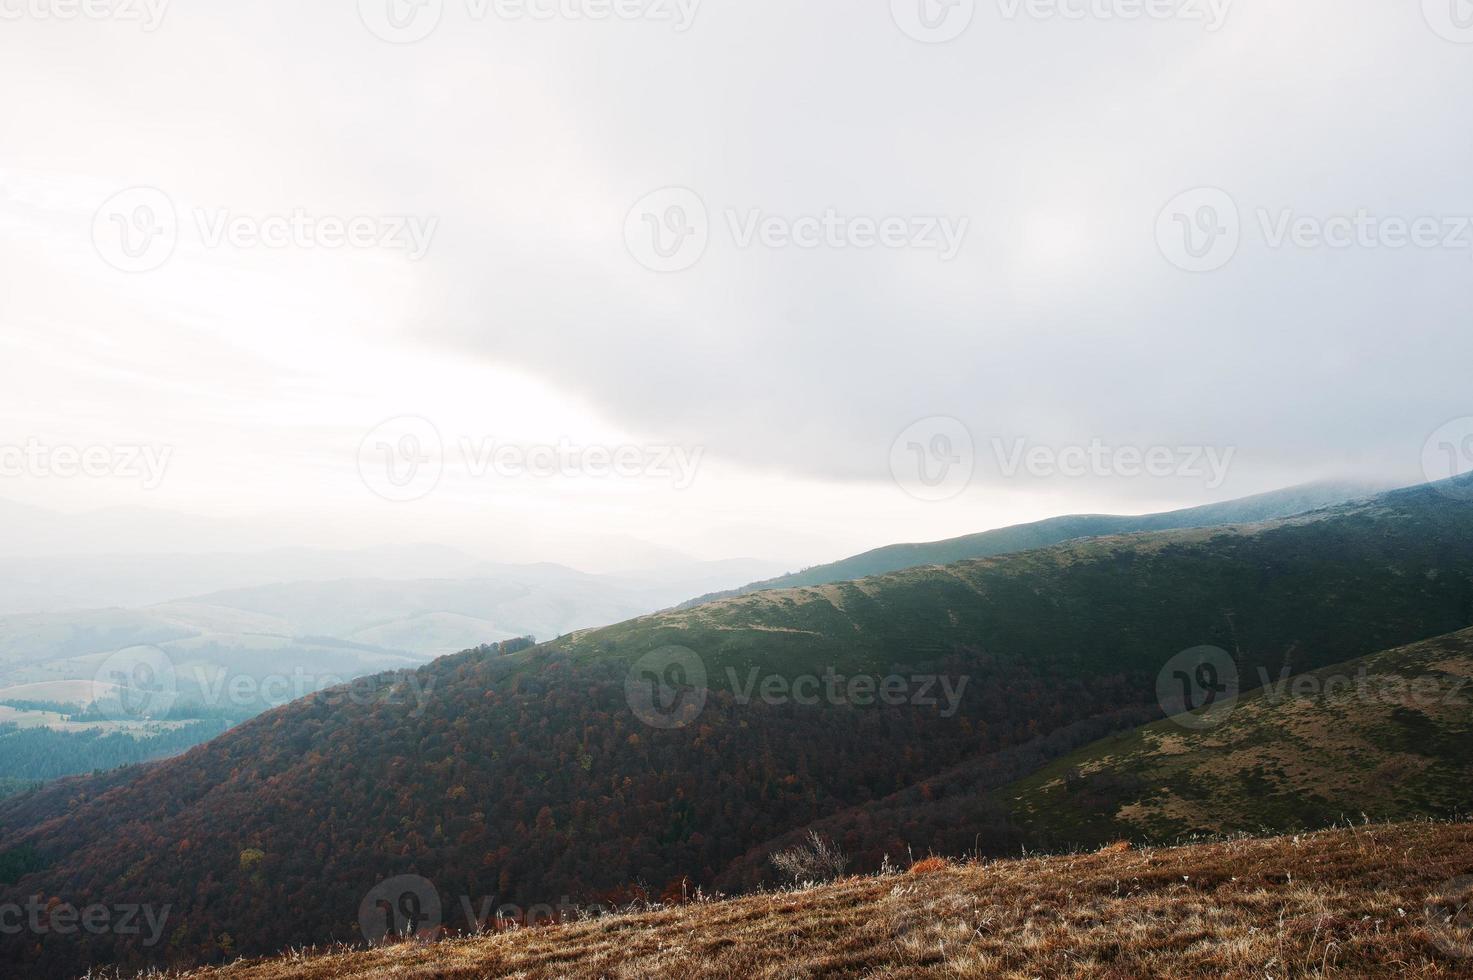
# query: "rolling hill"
587,764
1056,530
1385,734
1382,736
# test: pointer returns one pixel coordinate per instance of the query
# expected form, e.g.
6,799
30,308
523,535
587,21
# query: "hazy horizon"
711,280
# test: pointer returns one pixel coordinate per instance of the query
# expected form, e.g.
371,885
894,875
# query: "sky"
604,282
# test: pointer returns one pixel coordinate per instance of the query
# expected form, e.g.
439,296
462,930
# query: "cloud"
1059,320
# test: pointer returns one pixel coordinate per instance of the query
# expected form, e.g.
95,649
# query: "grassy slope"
1056,530
1339,583
1094,616
1343,902
1396,743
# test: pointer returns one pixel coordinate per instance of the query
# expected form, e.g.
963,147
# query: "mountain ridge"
1272,505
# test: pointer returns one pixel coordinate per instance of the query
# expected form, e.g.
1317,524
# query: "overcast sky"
805,276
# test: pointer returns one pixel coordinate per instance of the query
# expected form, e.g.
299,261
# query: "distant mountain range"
681,748
225,656
344,627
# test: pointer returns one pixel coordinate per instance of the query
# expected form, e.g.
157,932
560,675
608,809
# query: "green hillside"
535,775
1122,604
1387,735
1056,530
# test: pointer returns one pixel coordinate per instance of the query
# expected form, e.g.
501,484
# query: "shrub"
929,865
817,859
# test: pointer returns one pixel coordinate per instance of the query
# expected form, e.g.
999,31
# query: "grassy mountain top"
1056,530
1386,734
1367,901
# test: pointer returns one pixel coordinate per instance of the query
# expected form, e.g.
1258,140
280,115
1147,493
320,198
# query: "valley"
620,761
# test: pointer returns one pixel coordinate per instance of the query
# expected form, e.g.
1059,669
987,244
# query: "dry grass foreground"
1365,901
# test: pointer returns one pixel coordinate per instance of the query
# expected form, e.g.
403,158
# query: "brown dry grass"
1347,902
